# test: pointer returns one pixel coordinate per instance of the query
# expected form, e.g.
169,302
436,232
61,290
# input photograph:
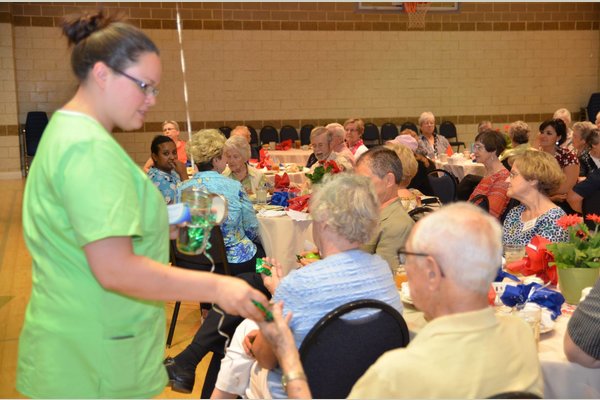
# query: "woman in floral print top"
240,228
533,176
166,172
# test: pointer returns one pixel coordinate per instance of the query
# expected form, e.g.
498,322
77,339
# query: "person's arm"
576,355
575,201
497,198
181,170
571,172
249,220
149,164
279,335
118,268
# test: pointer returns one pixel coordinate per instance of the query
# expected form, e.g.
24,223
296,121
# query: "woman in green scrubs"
97,230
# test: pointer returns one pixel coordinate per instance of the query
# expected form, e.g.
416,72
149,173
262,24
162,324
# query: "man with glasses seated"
464,351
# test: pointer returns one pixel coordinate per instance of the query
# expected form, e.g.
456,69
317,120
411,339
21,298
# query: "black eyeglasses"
147,88
402,253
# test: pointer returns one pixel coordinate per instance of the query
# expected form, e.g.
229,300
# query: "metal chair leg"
173,322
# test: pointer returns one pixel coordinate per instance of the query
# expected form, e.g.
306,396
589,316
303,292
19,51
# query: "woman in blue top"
165,172
240,228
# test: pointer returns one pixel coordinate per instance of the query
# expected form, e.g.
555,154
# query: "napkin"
279,198
264,160
536,261
299,203
299,216
533,293
282,182
271,213
285,145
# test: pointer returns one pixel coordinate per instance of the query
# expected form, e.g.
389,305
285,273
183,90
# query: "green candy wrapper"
263,267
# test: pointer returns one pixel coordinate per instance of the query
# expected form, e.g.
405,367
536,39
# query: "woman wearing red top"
488,146
552,134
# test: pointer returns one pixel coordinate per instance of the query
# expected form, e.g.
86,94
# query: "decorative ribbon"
533,293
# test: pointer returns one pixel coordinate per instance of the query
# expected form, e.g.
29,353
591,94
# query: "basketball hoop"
416,14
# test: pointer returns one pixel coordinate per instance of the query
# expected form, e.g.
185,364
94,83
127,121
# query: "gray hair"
337,130
584,128
563,113
519,132
425,116
381,161
472,244
318,131
239,144
347,203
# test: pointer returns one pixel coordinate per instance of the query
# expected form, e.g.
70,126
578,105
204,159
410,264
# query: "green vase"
573,280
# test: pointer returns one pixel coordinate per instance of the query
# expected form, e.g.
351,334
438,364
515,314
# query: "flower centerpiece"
329,167
577,260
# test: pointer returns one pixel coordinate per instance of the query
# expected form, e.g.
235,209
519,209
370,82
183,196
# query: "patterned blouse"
494,187
587,164
166,183
240,227
565,157
440,146
514,232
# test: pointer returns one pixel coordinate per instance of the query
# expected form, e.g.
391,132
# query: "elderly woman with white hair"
345,212
432,142
240,228
237,153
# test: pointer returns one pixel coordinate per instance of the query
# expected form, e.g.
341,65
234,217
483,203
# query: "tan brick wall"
278,63
9,142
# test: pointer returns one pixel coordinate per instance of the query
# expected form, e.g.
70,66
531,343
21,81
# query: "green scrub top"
79,339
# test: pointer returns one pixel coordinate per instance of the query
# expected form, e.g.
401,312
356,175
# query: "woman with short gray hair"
237,153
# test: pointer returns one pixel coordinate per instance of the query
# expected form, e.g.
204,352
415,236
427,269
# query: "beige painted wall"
10,163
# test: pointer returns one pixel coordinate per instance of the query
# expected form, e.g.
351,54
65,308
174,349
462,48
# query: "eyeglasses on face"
403,253
513,174
146,88
478,146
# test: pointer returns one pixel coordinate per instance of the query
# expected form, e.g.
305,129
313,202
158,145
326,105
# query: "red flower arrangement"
329,167
583,248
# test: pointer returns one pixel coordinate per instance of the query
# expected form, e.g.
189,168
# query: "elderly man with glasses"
464,351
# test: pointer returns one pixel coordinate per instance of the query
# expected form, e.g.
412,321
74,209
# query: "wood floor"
15,287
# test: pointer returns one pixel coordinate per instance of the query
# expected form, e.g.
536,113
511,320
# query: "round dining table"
297,156
283,237
461,168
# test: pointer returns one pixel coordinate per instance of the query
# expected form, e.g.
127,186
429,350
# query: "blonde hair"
360,125
408,160
347,204
174,123
540,166
239,144
584,128
206,145
425,116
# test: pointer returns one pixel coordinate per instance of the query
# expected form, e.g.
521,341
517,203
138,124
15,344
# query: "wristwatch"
292,376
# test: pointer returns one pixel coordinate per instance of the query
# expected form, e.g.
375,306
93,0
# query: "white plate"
406,299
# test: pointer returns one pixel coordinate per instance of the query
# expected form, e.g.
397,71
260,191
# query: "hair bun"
78,27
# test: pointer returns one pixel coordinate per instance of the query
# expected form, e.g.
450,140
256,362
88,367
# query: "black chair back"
288,132
337,351
419,212
305,133
482,201
515,395
268,134
448,130
443,184
199,262
388,131
466,186
370,136
409,125
34,127
253,135
593,106
225,130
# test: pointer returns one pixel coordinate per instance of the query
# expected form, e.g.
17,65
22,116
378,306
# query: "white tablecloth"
463,169
297,156
562,379
295,177
283,238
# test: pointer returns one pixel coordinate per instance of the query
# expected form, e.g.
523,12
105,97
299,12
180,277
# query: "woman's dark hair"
559,126
98,37
492,141
205,166
157,141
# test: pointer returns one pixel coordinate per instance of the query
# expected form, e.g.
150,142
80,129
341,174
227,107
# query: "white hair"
239,144
465,241
564,114
337,130
425,116
347,203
